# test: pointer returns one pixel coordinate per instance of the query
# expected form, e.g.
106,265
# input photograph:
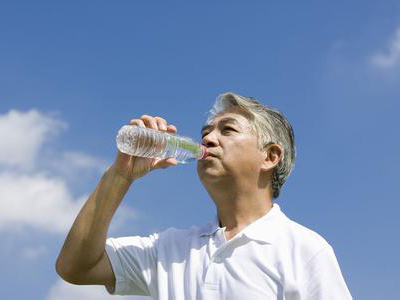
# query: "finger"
137,122
172,129
149,122
172,161
165,163
161,123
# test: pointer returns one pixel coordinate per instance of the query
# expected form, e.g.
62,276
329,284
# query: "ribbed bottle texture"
147,142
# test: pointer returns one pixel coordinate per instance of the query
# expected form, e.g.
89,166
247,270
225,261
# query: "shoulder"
302,233
170,235
301,241
177,244
173,234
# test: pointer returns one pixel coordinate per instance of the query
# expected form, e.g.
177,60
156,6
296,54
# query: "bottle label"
189,146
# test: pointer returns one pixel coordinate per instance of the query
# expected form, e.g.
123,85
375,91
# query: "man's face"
232,147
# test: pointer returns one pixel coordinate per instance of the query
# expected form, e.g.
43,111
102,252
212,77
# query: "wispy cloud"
35,192
38,201
391,57
65,291
32,253
22,134
70,163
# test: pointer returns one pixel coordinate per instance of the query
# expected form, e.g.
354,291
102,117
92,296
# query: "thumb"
165,163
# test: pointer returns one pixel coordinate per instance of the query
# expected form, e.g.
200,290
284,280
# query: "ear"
273,153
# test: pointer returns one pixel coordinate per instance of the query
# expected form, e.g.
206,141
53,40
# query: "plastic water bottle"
147,142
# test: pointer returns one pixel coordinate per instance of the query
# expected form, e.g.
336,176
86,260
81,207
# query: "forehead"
232,117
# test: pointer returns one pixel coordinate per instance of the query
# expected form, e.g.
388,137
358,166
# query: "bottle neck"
203,152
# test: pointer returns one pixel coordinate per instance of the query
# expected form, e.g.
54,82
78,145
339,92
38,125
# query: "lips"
211,154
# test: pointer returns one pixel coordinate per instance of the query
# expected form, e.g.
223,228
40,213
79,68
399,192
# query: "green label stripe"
188,145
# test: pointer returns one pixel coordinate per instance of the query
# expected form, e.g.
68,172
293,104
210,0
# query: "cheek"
242,147
245,153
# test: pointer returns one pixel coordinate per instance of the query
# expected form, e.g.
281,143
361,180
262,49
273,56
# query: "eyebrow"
222,121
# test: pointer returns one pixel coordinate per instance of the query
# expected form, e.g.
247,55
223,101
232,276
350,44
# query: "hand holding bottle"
134,167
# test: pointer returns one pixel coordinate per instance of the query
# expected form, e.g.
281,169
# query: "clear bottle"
147,142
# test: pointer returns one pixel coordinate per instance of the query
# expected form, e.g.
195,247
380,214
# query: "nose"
210,140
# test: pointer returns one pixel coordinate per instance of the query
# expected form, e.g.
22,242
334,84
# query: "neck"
238,206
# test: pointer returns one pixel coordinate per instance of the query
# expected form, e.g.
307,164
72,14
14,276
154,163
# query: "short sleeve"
323,278
134,262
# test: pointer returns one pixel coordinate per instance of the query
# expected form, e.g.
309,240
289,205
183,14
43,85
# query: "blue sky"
71,74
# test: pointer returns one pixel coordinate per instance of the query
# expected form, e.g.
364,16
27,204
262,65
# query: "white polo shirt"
272,258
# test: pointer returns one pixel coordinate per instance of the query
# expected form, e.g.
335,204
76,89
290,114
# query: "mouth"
209,154
210,157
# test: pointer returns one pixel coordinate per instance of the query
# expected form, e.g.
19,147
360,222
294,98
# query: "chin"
210,175
210,171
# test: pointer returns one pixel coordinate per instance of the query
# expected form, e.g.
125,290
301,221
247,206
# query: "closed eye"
226,128
229,129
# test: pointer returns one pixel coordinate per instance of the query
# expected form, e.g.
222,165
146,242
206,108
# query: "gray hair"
270,127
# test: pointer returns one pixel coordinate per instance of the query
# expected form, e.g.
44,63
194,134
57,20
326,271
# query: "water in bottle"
147,142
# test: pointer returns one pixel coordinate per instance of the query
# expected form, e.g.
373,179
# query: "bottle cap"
204,152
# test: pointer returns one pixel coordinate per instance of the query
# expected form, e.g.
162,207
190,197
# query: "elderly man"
251,250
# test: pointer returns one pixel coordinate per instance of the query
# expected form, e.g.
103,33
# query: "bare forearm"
85,243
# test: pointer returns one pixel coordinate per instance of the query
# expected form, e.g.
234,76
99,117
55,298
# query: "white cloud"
83,161
33,185
71,162
34,192
22,134
37,201
65,291
391,58
45,203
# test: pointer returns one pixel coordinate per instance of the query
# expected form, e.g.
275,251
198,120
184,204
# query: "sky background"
72,73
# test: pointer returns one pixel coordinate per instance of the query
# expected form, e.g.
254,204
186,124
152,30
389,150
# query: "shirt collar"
210,228
265,229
